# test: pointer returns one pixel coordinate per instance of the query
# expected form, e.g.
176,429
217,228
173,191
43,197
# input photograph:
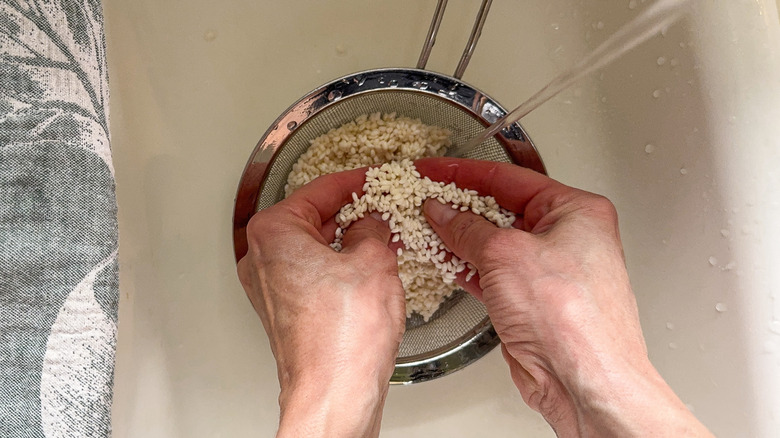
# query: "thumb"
365,230
464,233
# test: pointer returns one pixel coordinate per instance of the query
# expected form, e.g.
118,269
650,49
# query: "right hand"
557,291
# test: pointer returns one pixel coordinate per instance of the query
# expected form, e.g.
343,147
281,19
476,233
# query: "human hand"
334,320
557,291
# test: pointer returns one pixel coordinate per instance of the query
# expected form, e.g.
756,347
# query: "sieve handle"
476,32
430,40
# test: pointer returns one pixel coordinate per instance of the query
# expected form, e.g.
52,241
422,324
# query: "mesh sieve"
462,312
460,331
461,324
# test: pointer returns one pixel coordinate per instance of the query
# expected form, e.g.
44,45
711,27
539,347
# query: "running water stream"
649,22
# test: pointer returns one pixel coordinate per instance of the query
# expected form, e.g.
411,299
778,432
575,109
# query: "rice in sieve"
460,332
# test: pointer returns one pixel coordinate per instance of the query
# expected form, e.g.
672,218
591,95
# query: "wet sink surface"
680,134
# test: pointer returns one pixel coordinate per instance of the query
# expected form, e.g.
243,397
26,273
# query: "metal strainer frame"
342,100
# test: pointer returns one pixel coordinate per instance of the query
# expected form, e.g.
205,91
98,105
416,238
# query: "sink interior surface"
680,134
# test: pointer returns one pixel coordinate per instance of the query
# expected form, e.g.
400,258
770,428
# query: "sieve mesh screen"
461,314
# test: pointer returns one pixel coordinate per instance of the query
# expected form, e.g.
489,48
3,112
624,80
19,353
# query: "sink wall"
681,134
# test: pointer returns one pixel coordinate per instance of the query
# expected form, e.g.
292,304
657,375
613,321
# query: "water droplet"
292,125
210,35
683,171
721,307
603,100
600,25
729,266
673,346
712,260
724,232
555,26
649,148
669,326
420,84
661,60
362,81
657,94
632,4
381,80
333,95
392,83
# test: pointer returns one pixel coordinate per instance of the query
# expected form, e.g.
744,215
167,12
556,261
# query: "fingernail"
438,212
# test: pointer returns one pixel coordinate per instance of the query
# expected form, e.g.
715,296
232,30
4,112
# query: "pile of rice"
396,190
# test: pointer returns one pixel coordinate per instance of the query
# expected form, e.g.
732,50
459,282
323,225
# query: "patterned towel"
58,229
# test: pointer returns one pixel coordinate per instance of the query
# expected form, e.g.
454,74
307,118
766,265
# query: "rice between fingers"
396,190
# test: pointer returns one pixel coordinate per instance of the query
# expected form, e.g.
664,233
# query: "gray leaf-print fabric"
58,230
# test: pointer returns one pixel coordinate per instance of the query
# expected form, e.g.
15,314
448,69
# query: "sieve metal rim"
482,107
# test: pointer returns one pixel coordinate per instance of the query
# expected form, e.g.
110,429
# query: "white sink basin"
682,134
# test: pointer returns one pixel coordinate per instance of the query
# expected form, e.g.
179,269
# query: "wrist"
349,407
628,400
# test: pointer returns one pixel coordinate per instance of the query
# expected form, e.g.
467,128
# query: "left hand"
334,320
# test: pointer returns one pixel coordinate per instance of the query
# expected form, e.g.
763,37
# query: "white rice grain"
397,191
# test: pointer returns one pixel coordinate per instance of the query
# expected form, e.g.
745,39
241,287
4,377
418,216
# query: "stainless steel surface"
476,32
430,39
460,332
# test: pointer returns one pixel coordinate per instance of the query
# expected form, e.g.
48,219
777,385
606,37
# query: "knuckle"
498,246
373,248
462,229
244,271
264,223
603,207
256,225
482,239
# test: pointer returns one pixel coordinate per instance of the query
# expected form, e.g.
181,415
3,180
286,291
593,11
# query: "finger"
328,229
524,381
515,188
395,246
364,230
471,286
464,233
323,197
